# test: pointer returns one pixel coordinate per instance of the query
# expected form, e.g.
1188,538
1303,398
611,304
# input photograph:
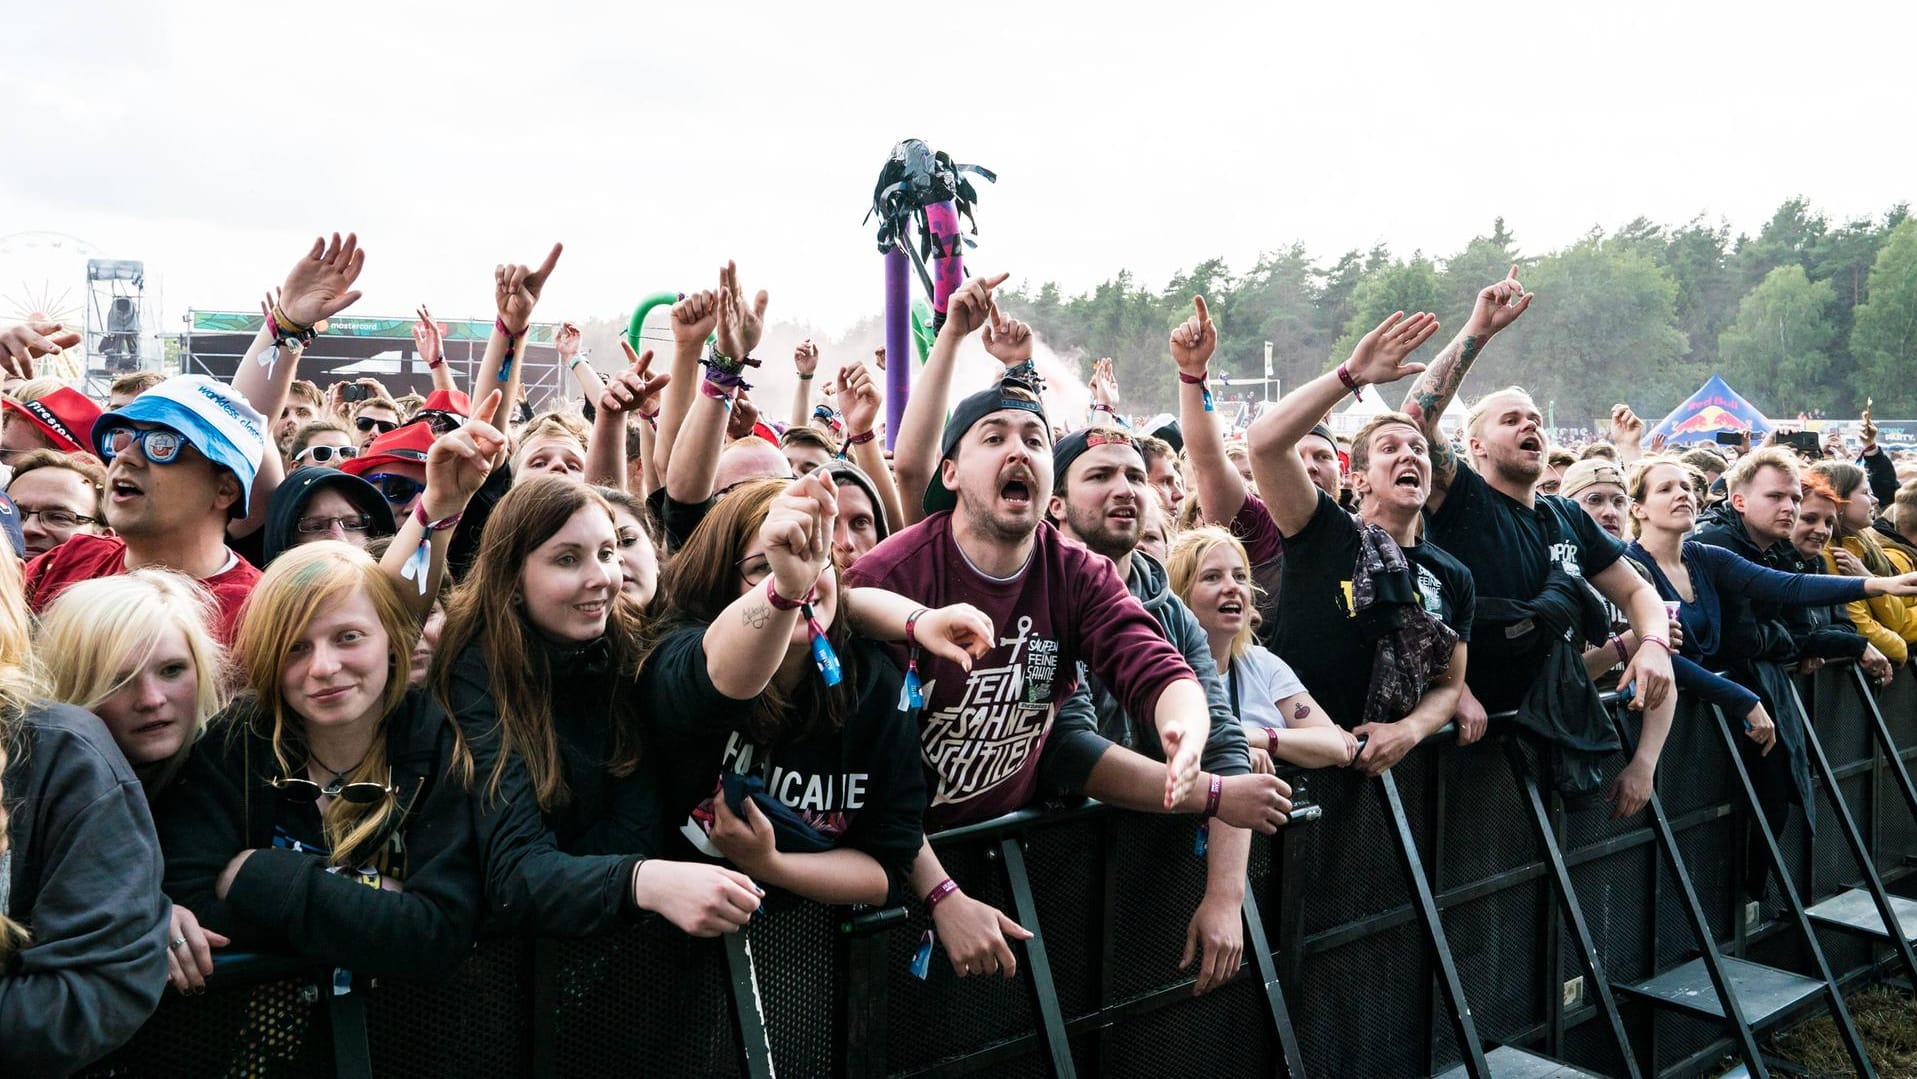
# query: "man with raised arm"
984,542
1522,550
1374,621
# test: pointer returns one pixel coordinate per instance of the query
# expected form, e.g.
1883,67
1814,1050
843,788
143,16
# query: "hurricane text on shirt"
998,725
803,791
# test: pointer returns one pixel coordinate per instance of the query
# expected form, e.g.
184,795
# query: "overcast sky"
213,140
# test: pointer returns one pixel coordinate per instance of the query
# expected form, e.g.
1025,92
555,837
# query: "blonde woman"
320,814
79,865
137,650
1211,572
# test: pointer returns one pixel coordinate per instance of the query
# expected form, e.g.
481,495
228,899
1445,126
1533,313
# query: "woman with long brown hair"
789,744
83,924
321,814
536,663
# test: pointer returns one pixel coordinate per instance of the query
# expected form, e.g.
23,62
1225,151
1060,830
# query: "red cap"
65,416
453,401
408,443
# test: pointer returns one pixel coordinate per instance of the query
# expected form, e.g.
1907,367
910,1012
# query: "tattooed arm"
749,640
1498,306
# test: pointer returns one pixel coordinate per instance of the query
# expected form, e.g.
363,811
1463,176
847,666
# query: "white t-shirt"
1262,680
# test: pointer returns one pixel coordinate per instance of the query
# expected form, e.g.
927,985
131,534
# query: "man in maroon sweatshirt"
1054,603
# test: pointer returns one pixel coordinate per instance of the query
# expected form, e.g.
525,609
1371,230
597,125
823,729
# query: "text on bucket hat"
213,418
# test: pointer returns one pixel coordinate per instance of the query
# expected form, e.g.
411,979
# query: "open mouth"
1123,513
1231,607
126,489
1407,478
1017,492
1531,444
154,727
591,610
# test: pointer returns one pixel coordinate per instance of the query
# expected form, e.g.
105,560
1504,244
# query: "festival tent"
1713,408
1358,412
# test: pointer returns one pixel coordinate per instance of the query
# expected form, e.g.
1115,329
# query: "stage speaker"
124,315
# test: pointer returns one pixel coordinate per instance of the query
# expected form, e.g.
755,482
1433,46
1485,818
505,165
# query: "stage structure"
373,347
116,291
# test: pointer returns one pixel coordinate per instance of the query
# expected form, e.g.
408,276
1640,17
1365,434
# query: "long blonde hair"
99,634
292,592
1189,551
16,691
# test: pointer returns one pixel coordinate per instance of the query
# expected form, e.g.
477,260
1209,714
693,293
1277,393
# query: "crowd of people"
362,678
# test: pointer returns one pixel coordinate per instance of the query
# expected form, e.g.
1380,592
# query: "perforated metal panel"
276,1029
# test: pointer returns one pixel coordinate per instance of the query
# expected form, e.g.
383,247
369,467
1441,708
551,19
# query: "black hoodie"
289,501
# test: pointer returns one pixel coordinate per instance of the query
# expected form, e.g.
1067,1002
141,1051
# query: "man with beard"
984,542
1519,547
1099,499
1322,625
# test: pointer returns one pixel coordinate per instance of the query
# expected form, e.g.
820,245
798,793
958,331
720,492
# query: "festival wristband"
1617,642
940,893
806,376
1344,376
573,364
512,347
1271,741
861,438
780,603
1200,382
911,620
441,525
1211,796
1652,638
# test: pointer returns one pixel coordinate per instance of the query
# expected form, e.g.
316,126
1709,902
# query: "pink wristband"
1211,796
1344,376
1652,638
780,603
1271,741
939,893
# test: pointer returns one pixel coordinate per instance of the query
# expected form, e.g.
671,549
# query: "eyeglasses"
440,422
306,792
159,445
396,489
754,568
58,520
368,423
319,455
358,522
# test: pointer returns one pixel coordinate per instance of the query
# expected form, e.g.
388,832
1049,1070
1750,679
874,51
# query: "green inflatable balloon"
922,328
639,314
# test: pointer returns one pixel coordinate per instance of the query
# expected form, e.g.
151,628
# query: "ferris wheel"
43,275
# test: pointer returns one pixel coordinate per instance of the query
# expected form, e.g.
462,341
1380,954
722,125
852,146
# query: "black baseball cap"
1008,393
1073,446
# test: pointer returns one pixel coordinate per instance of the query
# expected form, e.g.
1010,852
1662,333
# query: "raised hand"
1104,384
429,337
797,532
565,341
1378,358
320,285
460,461
878,357
21,345
806,357
694,317
1008,340
743,417
1193,343
739,326
636,389
960,633
858,396
1868,431
971,305
516,290
1626,428
1498,306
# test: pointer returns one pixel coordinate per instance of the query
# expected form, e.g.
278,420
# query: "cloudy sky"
213,140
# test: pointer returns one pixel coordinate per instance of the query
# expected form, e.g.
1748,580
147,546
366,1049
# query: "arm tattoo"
1301,712
1439,383
757,615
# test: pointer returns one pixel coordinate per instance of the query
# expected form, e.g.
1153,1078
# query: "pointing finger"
484,413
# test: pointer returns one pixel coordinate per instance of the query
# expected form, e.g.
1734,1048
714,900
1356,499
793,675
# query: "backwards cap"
969,411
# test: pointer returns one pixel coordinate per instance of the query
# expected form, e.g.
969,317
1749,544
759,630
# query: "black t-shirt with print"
1317,634
1508,547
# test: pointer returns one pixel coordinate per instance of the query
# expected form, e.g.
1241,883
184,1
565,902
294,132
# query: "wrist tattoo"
757,615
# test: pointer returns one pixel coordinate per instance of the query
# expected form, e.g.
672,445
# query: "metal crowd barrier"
1452,917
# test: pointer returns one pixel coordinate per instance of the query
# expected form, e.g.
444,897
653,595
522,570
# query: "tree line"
1809,314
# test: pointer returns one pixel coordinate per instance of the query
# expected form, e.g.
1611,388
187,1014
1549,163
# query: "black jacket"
1881,474
289,501
284,899
1755,630
568,872
84,876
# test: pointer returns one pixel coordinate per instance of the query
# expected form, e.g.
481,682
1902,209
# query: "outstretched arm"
915,453
1221,492
806,359
1273,438
690,475
859,392
1498,306
516,291
429,340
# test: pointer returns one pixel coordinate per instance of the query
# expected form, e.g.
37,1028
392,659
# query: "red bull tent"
1713,408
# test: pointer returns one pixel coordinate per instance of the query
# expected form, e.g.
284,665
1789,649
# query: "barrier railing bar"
1887,750
1834,998
352,1050
1038,967
1548,822
754,1042
1644,836
1865,863
1440,948
1289,1054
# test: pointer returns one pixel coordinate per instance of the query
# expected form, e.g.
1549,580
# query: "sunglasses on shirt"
306,792
320,455
368,423
394,488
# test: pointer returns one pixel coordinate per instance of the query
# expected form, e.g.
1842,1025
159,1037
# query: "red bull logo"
1707,419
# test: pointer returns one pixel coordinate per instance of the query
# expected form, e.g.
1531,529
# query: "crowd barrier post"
1887,745
1547,821
1847,823
1290,1056
1038,966
1665,989
753,1041
1833,993
1433,927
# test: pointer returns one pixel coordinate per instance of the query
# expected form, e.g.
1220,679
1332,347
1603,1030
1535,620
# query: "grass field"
1887,1020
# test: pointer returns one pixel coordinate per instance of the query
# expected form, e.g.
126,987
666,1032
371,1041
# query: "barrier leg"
1573,911
1294,1059
1889,745
1427,908
753,1042
1833,995
1874,884
1038,967
352,1052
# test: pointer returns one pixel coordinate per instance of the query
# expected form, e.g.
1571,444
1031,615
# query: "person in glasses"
443,411
181,460
326,442
536,663
59,495
314,504
374,417
83,922
137,650
321,814
395,464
